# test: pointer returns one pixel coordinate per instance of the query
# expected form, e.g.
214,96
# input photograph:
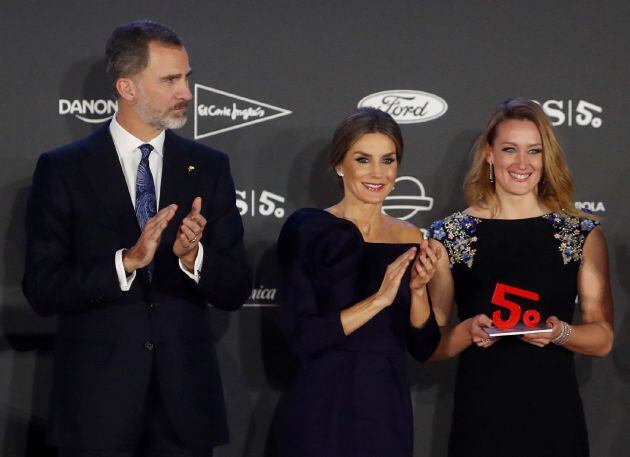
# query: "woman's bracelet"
565,333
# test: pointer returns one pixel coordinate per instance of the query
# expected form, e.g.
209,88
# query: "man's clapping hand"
141,254
189,235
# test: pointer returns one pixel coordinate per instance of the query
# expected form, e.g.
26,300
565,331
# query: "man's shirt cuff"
124,280
196,274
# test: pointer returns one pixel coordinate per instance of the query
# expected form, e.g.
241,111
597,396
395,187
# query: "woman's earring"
339,173
491,173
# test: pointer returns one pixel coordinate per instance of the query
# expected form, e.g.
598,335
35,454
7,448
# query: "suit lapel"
179,175
105,174
178,185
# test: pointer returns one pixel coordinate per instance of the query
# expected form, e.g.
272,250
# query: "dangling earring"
491,173
339,173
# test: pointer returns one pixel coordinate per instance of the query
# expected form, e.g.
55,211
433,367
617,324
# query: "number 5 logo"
531,316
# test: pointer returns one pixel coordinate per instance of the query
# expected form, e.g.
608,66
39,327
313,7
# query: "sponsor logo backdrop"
271,82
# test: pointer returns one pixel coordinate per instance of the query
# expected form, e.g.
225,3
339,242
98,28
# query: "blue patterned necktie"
146,206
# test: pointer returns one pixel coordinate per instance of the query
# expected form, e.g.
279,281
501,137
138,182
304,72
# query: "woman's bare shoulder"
403,231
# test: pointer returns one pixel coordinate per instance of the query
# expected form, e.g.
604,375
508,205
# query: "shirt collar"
125,142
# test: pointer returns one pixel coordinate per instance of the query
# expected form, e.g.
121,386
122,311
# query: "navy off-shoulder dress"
351,395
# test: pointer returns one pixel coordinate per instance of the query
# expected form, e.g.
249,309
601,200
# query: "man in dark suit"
135,366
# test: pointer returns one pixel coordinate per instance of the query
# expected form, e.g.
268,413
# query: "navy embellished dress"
515,399
351,394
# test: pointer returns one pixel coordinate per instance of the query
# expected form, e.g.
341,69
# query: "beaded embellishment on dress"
571,231
456,233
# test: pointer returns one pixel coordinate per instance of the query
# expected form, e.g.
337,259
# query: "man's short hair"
127,49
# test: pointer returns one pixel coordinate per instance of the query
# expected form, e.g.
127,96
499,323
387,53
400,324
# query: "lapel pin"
191,168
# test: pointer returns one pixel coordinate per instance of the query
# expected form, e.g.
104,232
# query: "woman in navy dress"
520,243
354,299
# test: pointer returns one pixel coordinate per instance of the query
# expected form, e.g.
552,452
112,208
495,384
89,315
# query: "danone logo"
217,111
90,111
407,106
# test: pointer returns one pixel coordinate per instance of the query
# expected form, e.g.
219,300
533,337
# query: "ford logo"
407,106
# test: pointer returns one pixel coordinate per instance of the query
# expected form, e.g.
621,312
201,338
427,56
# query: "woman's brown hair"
358,123
555,188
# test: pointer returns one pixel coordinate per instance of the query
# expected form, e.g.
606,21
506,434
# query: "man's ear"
126,89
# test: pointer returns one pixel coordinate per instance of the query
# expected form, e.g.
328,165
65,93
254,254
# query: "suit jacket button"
148,345
153,305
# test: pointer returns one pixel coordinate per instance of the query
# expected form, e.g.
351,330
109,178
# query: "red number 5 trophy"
513,325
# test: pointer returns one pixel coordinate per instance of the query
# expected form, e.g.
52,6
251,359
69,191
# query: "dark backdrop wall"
271,81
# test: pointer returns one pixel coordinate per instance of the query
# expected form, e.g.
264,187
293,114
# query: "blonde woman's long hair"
555,188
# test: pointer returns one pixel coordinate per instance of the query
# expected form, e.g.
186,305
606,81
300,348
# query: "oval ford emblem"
407,106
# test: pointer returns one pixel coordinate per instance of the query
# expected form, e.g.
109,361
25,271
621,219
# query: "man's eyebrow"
175,76
171,76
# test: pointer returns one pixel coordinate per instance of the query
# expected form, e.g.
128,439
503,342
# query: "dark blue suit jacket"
79,214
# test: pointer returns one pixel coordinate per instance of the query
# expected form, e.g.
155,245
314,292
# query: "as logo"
572,112
264,203
90,111
407,199
407,106
217,111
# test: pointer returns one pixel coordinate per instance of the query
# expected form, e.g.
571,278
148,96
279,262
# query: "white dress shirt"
129,155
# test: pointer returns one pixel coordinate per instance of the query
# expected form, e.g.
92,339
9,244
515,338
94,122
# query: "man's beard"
160,120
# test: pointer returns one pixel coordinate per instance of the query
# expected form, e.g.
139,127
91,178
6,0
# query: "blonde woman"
520,253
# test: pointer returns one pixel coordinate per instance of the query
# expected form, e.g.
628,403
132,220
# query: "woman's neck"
519,206
367,217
